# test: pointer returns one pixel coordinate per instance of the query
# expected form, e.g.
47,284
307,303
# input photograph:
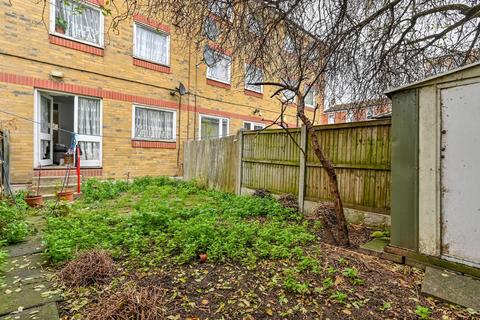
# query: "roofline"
417,83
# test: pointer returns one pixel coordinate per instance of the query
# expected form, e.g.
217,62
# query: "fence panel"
212,162
271,160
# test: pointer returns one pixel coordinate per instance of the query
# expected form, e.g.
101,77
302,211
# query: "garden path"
26,292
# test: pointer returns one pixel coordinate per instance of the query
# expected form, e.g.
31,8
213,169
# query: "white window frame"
53,4
314,99
246,85
253,124
145,26
136,105
229,68
220,123
36,128
331,116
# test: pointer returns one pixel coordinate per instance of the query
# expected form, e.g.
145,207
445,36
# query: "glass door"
45,143
88,125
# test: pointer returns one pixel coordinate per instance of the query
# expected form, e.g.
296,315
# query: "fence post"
238,180
303,168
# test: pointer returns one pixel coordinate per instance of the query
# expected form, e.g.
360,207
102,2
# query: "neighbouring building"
352,112
117,94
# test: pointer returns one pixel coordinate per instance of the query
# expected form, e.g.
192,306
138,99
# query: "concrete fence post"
303,168
238,179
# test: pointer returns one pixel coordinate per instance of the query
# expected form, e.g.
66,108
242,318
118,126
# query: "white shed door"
461,174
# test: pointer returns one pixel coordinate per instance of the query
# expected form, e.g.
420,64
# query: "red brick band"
153,144
113,95
219,84
151,22
60,41
253,93
151,65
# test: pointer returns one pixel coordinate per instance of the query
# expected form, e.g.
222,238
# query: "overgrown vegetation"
159,224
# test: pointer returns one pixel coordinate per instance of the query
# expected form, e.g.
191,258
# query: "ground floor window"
213,127
153,124
247,125
62,120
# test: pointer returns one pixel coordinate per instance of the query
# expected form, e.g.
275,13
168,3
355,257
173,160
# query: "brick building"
367,110
66,77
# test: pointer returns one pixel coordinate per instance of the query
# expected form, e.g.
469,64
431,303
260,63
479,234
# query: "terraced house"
129,98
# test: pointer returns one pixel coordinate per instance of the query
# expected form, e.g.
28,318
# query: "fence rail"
273,160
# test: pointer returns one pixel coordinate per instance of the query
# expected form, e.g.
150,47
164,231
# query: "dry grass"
91,267
131,302
289,201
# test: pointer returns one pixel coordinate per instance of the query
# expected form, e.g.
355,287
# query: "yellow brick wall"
25,50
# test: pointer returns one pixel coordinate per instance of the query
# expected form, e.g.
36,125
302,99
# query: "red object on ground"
77,149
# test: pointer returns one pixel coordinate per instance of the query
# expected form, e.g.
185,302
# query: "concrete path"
27,292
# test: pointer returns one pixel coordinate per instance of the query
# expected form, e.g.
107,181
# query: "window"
310,98
222,9
213,127
350,117
255,25
331,118
151,45
218,66
253,75
369,113
210,29
289,45
78,21
247,125
153,124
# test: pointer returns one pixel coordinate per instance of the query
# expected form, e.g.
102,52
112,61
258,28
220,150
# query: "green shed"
435,209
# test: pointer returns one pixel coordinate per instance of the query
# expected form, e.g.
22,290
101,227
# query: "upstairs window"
310,98
218,66
223,9
210,29
253,75
151,45
78,21
255,25
289,45
153,124
247,125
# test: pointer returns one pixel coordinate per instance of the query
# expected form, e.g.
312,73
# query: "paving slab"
45,312
27,296
30,246
376,247
452,287
26,276
27,262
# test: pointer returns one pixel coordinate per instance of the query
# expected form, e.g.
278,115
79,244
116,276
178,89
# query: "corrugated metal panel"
404,212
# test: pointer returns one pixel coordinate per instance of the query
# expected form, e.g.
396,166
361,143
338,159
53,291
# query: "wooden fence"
273,160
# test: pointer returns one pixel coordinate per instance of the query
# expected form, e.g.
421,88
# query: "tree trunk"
342,230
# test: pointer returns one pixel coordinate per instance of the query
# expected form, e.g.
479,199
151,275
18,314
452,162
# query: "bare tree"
348,50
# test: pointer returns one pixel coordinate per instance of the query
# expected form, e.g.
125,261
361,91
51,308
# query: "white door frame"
36,128
45,136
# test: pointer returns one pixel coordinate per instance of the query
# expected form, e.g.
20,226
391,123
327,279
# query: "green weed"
423,312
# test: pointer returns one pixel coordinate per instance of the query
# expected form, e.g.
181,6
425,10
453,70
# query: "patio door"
88,126
45,135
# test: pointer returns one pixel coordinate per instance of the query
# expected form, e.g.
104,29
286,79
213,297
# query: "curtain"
253,75
82,22
44,115
88,116
210,128
90,150
218,66
151,45
153,124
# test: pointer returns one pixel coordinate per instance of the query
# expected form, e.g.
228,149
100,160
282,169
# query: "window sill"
151,65
219,84
253,93
64,42
153,144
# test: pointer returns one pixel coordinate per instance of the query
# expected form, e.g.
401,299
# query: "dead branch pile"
131,302
262,193
289,201
91,267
